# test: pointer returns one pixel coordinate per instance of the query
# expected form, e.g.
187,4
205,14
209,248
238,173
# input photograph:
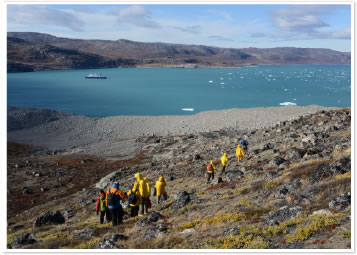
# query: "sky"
220,25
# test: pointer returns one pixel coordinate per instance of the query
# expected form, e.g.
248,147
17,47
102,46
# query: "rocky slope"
34,51
291,191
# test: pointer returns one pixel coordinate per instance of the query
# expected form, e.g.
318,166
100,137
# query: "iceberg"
188,109
287,103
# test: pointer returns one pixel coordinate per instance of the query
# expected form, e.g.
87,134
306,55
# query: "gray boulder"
183,198
277,161
283,214
106,244
295,153
22,239
142,222
234,175
340,202
155,232
68,213
154,216
231,231
49,218
85,234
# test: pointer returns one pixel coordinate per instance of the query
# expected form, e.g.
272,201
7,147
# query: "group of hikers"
240,151
109,205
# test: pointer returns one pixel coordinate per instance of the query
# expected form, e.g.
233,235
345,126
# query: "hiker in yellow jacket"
160,188
142,186
134,201
239,153
210,170
224,160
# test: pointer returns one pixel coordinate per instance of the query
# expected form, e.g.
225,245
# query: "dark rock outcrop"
154,216
49,218
183,199
22,239
106,244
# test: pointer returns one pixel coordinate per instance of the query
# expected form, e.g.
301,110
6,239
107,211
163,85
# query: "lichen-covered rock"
283,214
295,153
183,199
340,202
155,232
106,244
231,231
22,239
49,218
234,175
277,161
142,222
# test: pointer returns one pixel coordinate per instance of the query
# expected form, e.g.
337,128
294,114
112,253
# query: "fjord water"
179,91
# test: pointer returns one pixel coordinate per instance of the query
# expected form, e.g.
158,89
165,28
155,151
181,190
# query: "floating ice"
286,89
222,83
242,77
210,81
294,99
188,109
229,73
287,103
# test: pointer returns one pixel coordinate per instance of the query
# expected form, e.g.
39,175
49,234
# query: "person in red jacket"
102,208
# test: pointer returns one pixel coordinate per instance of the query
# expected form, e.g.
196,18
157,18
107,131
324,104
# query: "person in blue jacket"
244,144
114,195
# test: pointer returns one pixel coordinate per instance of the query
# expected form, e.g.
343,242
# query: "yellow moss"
245,202
55,236
226,196
305,232
272,184
10,237
187,208
345,234
345,175
274,231
241,241
239,190
88,244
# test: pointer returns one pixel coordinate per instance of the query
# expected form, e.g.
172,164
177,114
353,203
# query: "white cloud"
136,15
305,22
42,15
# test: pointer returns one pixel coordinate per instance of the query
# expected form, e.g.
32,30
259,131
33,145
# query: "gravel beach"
116,135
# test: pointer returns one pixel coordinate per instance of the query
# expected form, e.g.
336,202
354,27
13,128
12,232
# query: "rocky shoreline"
114,135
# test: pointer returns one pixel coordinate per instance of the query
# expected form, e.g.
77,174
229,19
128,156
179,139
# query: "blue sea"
180,91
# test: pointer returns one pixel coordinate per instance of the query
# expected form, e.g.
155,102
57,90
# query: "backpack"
103,206
111,199
132,198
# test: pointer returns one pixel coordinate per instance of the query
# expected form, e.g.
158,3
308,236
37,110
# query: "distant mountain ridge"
29,51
